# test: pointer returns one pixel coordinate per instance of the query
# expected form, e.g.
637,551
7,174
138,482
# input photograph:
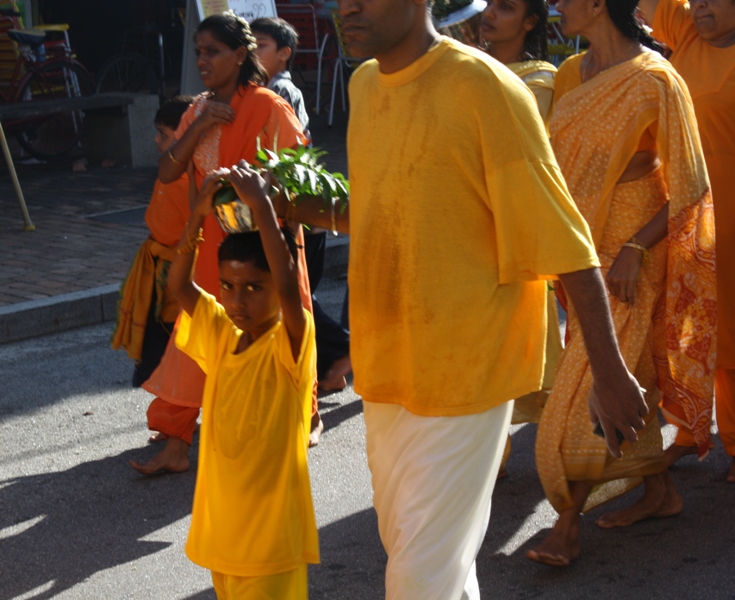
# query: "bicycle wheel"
127,72
50,135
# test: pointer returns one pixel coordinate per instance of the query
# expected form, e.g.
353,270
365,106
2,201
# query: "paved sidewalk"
89,225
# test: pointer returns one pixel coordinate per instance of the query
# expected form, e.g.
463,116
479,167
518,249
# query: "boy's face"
249,296
164,137
273,60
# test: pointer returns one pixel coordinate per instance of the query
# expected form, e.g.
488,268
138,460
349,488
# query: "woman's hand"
216,113
623,274
202,204
251,188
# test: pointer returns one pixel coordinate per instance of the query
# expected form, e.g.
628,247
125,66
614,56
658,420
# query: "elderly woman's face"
576,15
714,20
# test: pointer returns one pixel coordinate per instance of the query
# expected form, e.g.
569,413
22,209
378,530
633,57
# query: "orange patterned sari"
667,337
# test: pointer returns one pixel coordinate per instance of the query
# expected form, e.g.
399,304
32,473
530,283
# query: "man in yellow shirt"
458,215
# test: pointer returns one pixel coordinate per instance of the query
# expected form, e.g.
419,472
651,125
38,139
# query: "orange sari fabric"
667,337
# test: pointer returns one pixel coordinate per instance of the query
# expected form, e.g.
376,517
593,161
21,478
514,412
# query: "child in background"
253,521
277,41
147,310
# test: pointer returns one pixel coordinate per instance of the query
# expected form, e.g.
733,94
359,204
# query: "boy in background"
253,521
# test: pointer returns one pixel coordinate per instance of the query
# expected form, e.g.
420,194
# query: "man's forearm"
313,211
586,291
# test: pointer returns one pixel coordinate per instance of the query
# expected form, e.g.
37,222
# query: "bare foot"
731,472
317,426
334,380
660,500
561,546
157,437
673,453
174,458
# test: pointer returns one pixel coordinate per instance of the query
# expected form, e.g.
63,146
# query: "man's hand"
616,400
619,406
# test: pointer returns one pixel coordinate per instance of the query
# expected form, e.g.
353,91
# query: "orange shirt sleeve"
672,22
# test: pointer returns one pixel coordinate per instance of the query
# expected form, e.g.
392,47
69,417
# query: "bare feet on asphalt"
317,426
561,547
659,500
174,458
334,380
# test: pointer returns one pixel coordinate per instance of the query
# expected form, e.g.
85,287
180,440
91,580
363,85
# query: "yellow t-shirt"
458,211
253,514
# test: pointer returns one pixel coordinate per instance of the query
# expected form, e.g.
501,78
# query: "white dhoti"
433,478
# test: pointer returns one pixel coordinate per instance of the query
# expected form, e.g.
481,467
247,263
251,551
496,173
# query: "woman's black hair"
248,247
534,45
624,15
234,32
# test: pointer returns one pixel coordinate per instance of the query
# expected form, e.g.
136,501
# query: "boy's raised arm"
180,274
252,190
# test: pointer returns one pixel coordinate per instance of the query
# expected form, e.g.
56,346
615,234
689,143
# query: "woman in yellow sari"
625,136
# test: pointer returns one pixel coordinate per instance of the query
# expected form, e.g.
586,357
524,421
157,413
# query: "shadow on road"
84,520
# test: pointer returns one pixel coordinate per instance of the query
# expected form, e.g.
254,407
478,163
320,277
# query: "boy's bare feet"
317,426
673,453
174,458
561,546
731,472
659,500
334,380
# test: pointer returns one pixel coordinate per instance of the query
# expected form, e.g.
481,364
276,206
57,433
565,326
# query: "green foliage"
300,174
443,8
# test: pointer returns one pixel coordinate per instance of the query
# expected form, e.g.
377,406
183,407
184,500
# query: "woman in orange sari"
226,124
626,140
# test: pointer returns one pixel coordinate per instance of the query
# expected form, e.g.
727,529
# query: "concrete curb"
58,313
35,318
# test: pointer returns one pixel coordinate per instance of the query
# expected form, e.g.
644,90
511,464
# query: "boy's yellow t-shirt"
458,212
253,513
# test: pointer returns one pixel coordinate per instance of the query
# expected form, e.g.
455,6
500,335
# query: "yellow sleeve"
672,22
199,335
540,232
305,364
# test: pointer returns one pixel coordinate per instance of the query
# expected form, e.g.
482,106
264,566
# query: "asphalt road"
77,522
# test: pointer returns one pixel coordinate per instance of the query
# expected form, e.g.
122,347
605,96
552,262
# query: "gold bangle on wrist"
191,245
174,160
638,247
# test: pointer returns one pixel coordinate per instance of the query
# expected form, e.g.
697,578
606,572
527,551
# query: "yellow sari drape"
667,337
148,271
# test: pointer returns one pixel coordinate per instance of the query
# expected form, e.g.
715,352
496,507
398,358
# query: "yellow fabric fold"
136,294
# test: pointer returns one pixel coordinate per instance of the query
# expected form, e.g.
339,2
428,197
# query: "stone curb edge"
58,313
36,318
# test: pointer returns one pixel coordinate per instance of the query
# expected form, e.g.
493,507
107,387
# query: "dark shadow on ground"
93,518
353,560
334,417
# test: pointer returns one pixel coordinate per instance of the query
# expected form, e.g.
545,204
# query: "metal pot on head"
233,215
